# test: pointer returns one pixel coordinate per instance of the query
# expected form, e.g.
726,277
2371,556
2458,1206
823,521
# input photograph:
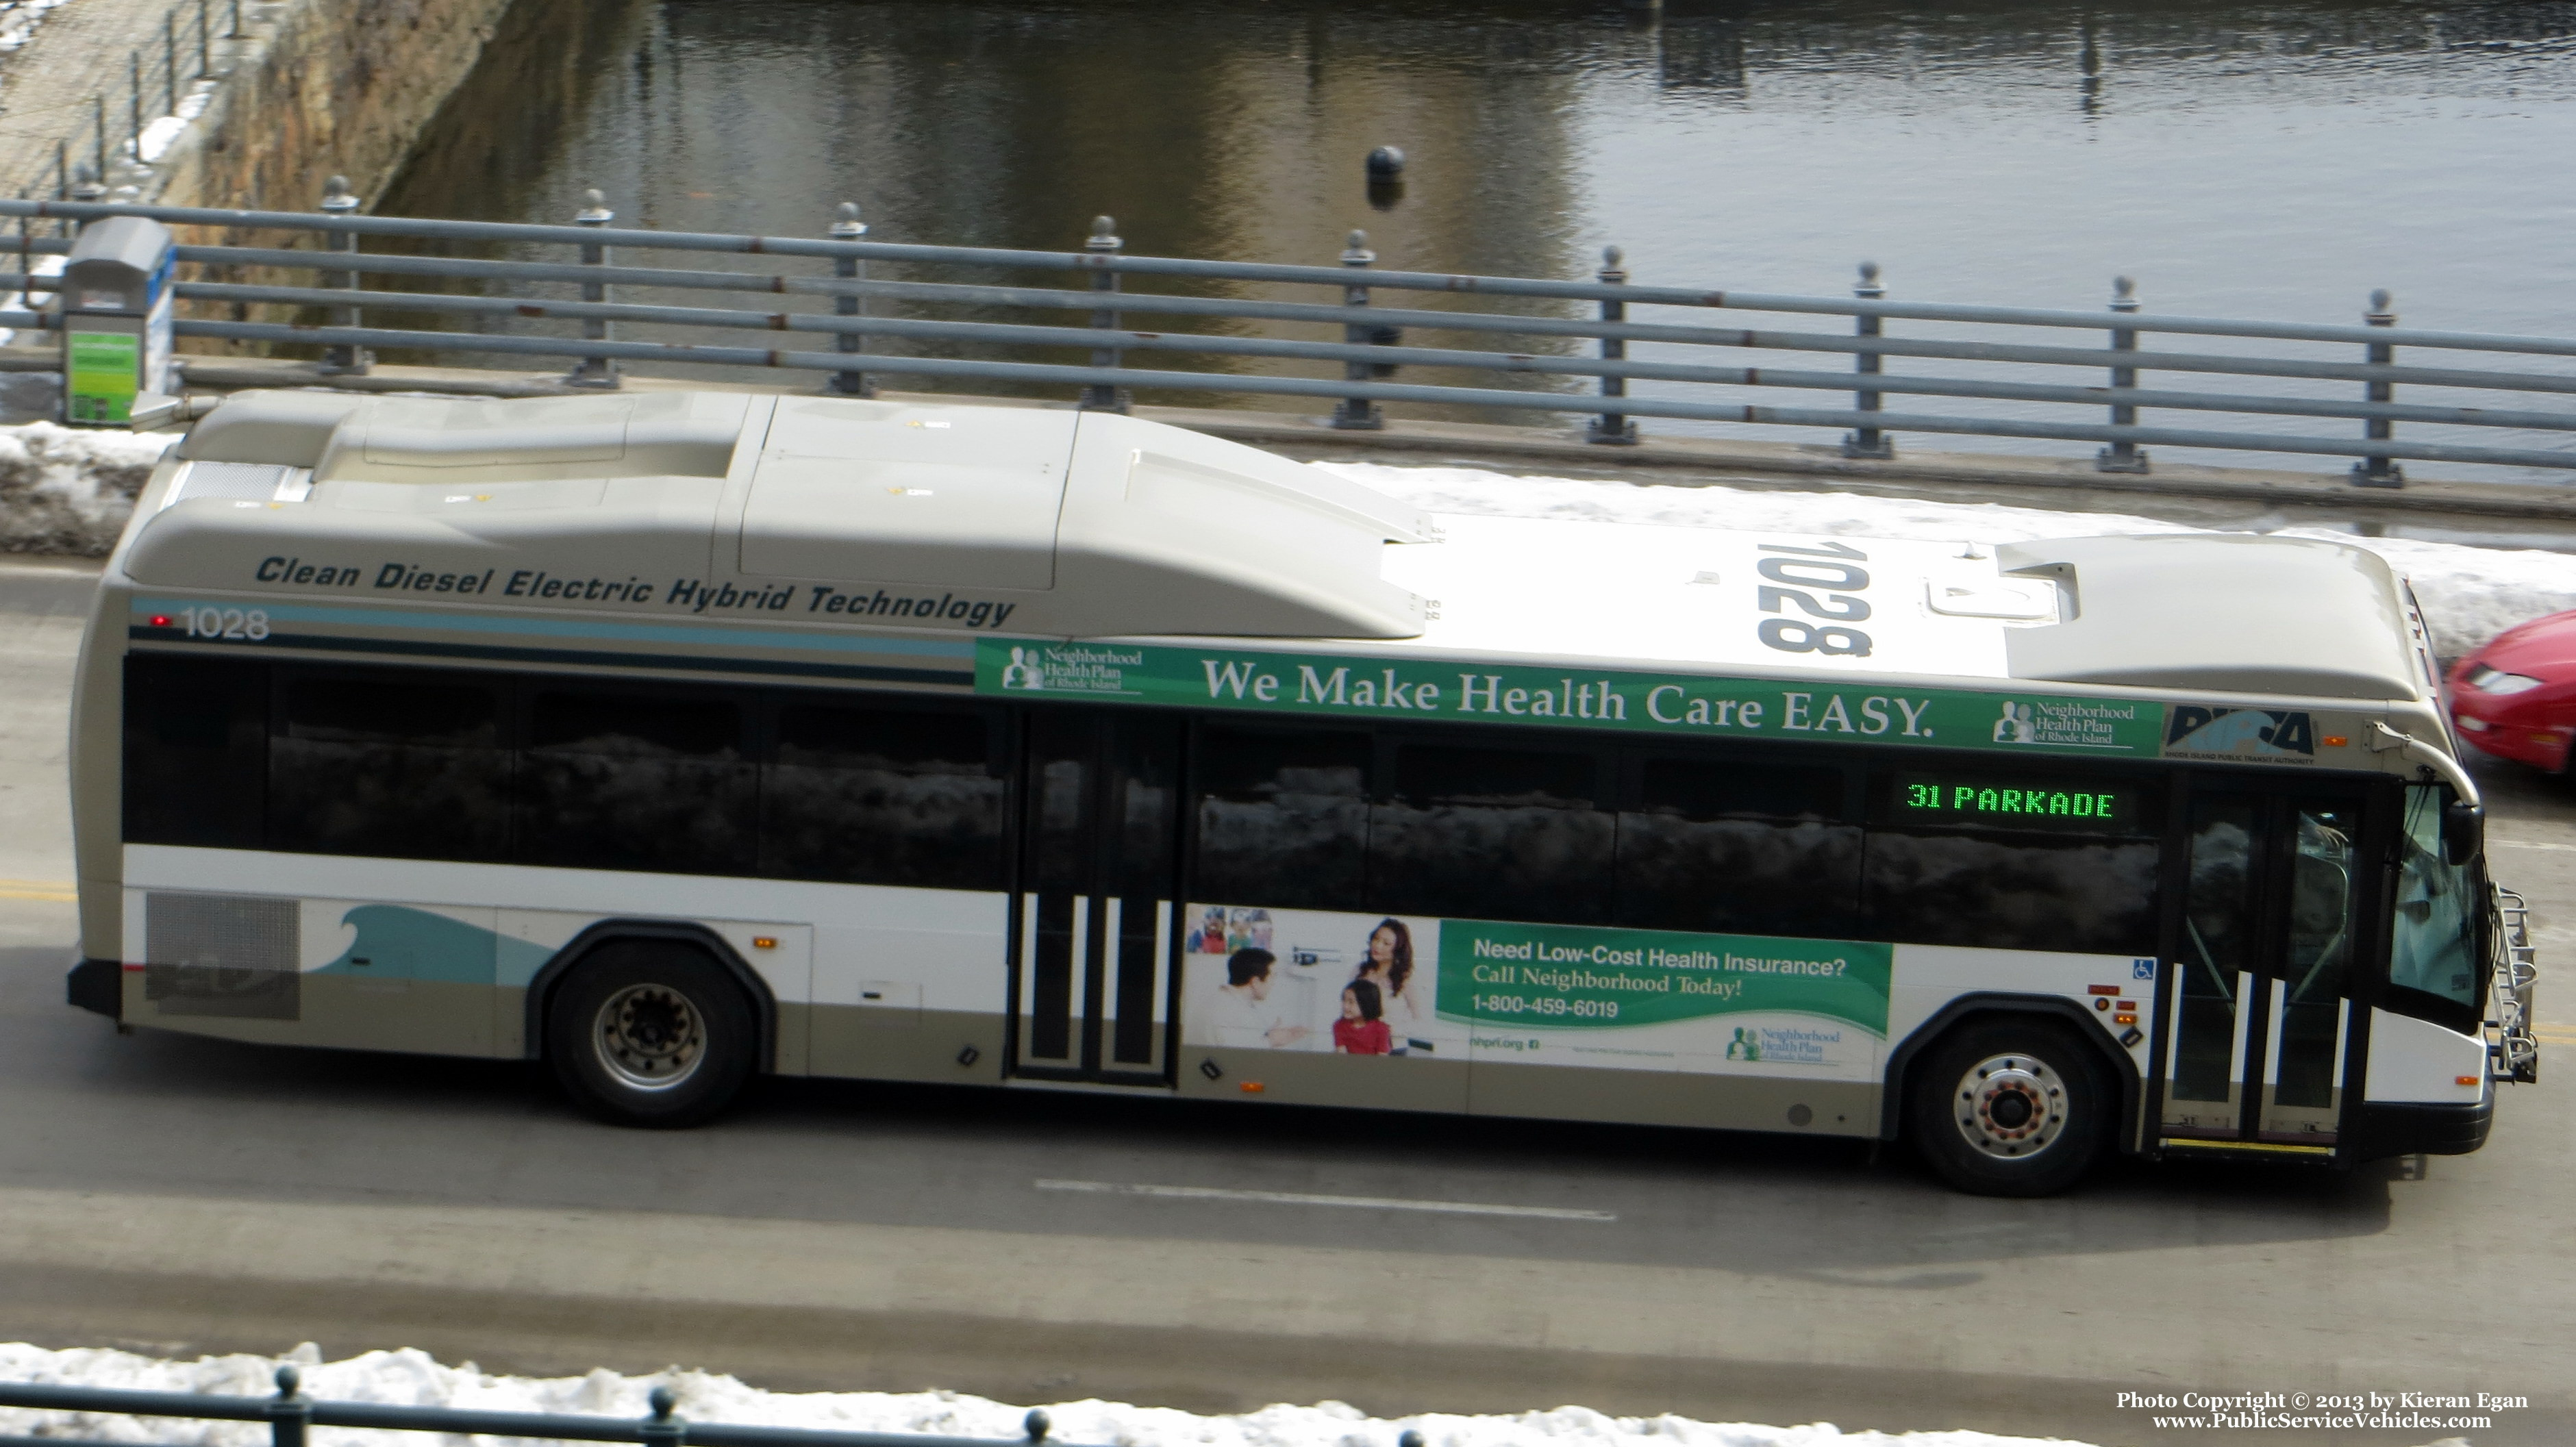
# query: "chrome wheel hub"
650,1037
2011,1107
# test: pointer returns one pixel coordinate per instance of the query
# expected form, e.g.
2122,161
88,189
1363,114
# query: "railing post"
2122,456
1101,245
98,121
134,103
235,32
2378,471
169,62
594,371
205,39
1357,414
289,1413
1613,429
86,187
347,359
1867,441
662,1429
849,268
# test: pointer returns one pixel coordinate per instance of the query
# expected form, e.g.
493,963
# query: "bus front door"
2258,969
1092,946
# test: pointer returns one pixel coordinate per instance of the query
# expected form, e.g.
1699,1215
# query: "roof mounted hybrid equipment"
1062,522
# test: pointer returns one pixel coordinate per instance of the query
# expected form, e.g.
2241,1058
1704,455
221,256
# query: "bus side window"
2433,943
408,768
1485,833
1993,861
1734,846
1282,817
633,780
196,751
879,795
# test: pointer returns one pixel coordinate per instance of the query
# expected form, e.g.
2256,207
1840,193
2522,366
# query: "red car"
2516,697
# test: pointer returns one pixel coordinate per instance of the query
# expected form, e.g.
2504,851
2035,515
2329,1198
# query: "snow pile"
2469,594
69,490
413,1378
19,19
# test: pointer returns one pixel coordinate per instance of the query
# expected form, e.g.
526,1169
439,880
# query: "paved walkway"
84,50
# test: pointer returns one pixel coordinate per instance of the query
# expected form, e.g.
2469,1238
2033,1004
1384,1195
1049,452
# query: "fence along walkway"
291,1415
2027,373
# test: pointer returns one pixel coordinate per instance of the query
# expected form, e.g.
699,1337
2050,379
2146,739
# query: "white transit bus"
681,737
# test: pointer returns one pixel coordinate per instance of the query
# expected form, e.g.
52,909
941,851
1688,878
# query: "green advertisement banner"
104,366
1627,701
1560,977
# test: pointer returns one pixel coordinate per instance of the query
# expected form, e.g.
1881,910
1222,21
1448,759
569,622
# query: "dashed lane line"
1303,1198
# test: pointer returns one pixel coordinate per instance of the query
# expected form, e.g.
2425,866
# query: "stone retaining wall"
327,87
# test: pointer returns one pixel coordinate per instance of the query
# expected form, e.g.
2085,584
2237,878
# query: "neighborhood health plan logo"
1059,668
2066,724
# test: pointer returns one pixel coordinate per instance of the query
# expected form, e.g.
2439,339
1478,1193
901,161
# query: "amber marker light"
2336,741
764,942
1251,1087
2465,1079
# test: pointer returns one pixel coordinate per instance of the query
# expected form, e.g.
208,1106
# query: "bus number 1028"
251,624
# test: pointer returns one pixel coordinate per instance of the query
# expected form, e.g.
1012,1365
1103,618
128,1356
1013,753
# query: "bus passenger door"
1092,946
2258,971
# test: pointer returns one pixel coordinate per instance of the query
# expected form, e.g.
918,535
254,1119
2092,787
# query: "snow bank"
412,1378
69,490
2470,594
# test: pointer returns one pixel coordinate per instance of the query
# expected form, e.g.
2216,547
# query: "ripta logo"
2193,729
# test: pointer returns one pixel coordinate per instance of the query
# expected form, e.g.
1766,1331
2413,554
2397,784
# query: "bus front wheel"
2011,1108
650,1033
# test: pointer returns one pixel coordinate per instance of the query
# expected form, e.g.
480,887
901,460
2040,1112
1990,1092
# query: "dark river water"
2260,160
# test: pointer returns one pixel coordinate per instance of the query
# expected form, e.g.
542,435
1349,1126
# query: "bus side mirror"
2463,831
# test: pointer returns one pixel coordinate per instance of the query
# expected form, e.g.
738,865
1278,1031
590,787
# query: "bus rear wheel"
651,1033
2011,1108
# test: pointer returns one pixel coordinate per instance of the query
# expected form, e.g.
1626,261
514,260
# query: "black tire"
2011,1107
651,1033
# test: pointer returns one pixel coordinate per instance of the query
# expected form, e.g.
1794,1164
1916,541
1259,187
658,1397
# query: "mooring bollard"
1103,244
1868,441
1385,167
289,1413
1036,1424
1357,413
1613,429
347,359
662,1429
594,371
2122,456
2378,471
86,187
849,304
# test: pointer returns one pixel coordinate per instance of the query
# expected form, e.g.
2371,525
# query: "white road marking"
2532,844
1301,1198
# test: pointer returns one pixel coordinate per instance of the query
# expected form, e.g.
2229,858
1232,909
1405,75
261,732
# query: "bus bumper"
2397,1128
98,985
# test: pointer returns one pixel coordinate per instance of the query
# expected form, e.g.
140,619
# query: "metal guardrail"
1672,358
291,1415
